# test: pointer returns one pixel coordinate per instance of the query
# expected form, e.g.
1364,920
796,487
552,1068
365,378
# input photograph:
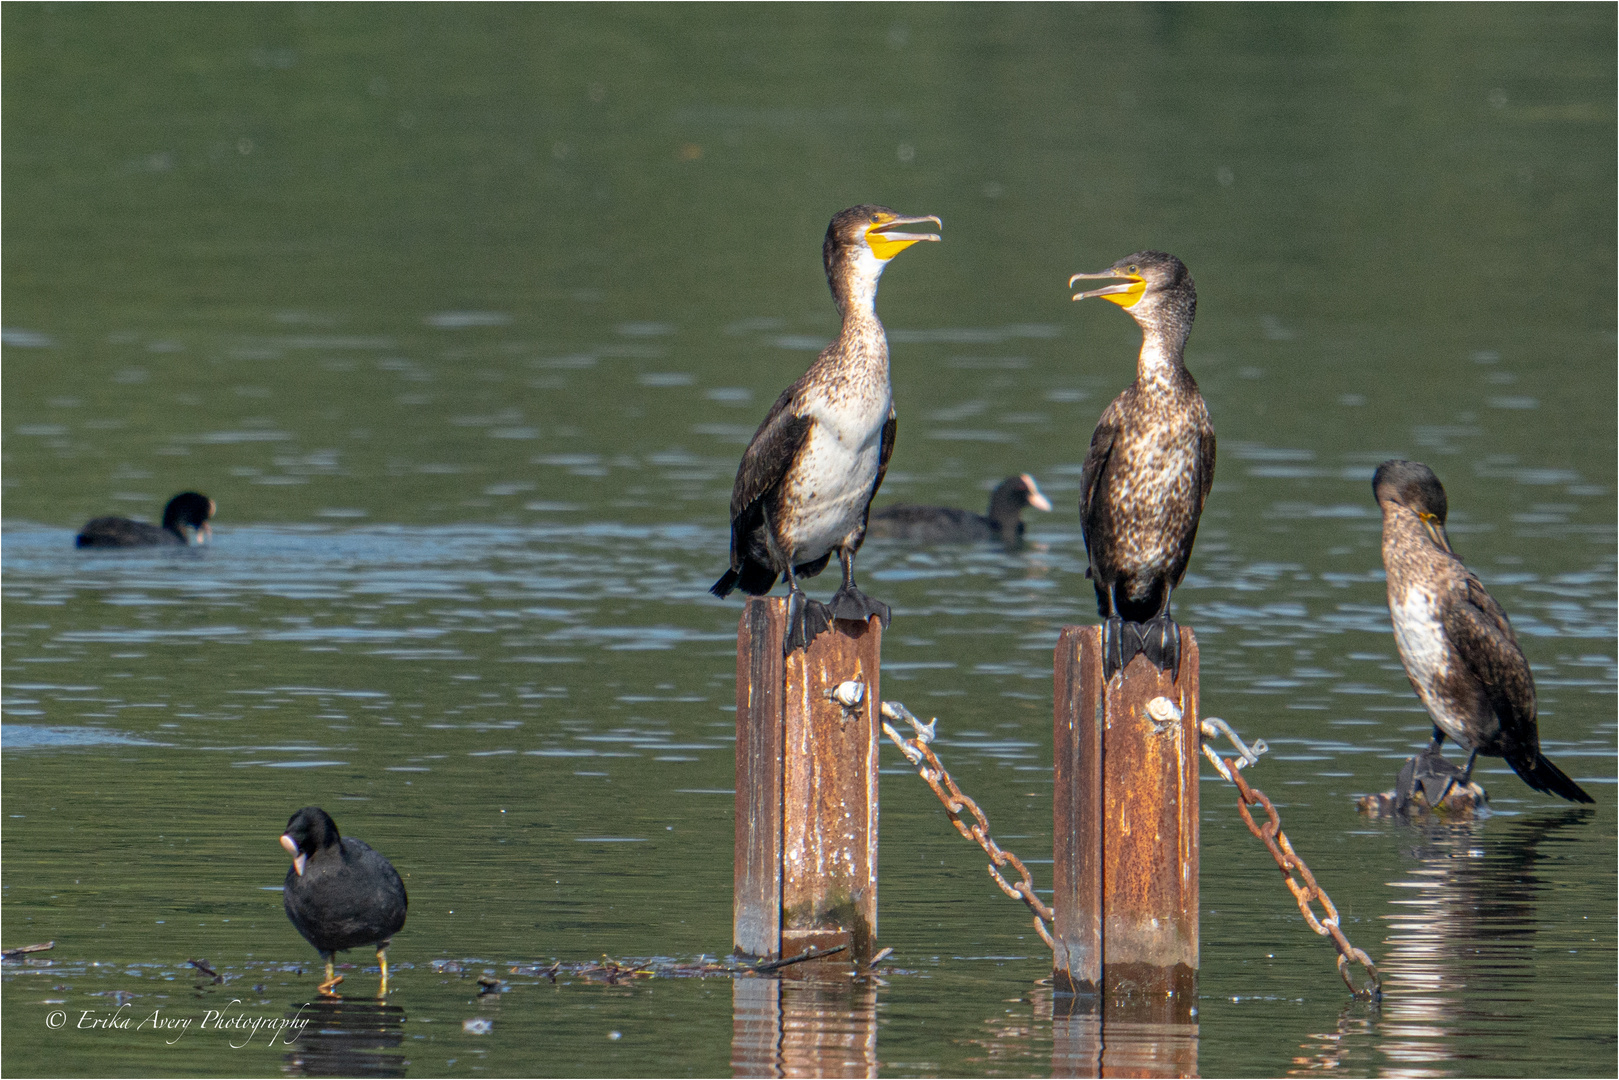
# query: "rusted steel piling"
806,788
1126,830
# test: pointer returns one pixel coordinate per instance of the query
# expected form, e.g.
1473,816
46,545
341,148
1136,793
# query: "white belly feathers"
828,488
1425,650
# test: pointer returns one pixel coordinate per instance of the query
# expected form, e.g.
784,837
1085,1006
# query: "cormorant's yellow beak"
1124,294
885,245
1436,532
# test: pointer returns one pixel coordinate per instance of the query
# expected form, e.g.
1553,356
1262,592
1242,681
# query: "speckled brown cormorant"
1457,646
340,893
805,484
1003,523
185,521
1149,468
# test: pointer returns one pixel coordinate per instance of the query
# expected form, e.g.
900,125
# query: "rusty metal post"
1126,841
806,789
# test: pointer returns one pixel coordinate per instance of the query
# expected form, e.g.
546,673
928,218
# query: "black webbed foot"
1161,642
850,603
1430,773
806,620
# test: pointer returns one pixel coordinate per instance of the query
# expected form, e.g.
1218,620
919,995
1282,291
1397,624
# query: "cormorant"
185,521
946,524
340,893
1149,469
805,484
1457,646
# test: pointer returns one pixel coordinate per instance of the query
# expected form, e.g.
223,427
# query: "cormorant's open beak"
1124,294
298,857
886,244
1037,498
1436,532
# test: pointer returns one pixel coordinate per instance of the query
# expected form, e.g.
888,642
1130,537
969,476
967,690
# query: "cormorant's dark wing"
1478,628
1205,462
1096,460
765,463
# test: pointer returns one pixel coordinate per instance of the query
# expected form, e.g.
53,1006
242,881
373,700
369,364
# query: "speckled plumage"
1151,458
804,487
1455,641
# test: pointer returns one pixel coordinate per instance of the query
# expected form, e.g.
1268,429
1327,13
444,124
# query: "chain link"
919,753
1305,892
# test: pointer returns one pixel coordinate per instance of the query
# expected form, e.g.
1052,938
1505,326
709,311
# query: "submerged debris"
1459,802
8,954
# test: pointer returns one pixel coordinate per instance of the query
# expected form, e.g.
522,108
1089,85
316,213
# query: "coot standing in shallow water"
947,525
185,521
340,893
806,480
1149,467
1457,647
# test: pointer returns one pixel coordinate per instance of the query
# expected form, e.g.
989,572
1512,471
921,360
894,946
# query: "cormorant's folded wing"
1478,628
769,455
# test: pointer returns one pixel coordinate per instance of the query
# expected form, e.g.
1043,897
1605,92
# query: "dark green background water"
463,316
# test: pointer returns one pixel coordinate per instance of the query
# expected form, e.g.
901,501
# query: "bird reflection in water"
803,1027
1461,932
348,1038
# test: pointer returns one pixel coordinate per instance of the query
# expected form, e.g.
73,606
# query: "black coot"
340,894
945,524
185,521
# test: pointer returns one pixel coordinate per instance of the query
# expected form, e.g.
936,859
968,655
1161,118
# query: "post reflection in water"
1462,930
1122,1038
795,1026
348,1038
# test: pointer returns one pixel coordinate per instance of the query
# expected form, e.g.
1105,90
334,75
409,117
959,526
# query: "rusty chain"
1281,849
919,753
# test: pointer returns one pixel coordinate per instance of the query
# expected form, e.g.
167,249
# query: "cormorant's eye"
1134,269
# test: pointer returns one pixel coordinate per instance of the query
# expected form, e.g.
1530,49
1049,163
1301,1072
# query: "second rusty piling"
1126,828
806,788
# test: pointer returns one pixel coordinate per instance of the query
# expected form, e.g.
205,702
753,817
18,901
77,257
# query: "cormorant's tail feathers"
1542,775
751,577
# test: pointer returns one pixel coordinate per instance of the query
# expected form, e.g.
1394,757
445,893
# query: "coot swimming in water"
340,893
947,525
185,521
806,480
1457,647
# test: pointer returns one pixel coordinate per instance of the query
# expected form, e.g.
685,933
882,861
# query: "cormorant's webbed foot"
1430,773
850,603
1161,642
806,620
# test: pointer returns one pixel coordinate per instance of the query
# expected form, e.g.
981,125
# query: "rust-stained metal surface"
806,789
760,699
785,1027
829,796
1126,819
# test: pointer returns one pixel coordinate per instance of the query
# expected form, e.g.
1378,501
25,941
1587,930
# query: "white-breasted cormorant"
185,521
1149,469
1457,646
1002,523
340,893
805,484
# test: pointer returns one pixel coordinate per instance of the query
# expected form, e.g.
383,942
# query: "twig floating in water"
9,953
808,954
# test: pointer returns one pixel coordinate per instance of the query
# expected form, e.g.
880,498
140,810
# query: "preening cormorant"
1457,646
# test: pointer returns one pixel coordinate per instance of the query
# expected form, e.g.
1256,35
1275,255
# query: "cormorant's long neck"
1163,351
862,347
